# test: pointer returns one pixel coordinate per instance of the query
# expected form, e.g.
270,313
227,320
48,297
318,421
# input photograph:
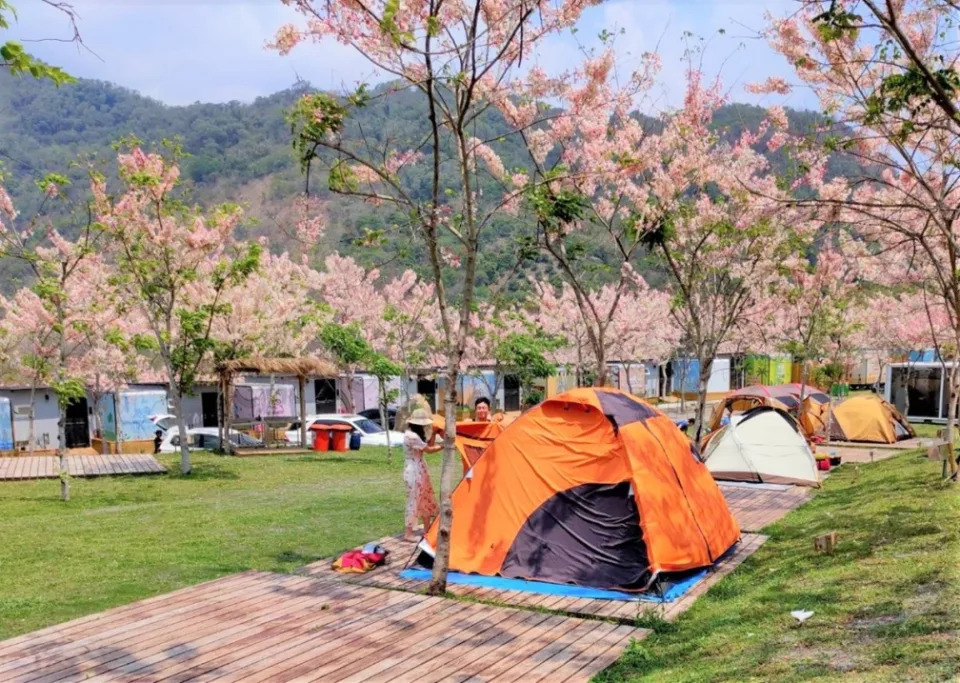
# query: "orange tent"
592,487
870,419
472,438
785,397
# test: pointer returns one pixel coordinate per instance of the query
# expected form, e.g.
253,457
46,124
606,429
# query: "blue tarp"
673,592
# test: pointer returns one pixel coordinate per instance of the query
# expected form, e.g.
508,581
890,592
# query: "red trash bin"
321,437
340,437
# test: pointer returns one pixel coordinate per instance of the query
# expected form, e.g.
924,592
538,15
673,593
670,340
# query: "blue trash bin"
355,441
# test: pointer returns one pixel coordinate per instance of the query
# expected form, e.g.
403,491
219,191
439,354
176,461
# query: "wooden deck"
755,507
619,610
46,466
257,626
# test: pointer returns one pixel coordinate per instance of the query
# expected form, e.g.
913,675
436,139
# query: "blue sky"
183,51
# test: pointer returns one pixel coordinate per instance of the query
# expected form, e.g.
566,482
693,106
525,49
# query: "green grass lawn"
887,603
124,538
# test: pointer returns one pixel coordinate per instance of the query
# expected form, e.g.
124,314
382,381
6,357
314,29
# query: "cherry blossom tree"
639,325
53,318
174,262
409,329
815,306
461,55
270,313
585,159
886,74
29,349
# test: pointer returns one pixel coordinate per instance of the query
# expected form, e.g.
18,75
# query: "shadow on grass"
204,471
289,559
335,459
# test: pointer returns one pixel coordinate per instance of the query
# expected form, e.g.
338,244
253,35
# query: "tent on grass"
868,418
786,397
592,487
764,446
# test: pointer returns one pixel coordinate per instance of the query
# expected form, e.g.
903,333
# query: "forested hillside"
242,153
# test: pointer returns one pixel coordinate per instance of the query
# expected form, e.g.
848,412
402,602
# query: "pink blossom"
773,84
778,117
398,160
449,257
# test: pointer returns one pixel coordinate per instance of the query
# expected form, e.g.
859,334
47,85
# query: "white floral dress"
421,501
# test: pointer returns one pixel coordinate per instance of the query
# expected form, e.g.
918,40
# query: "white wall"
46,416
719,375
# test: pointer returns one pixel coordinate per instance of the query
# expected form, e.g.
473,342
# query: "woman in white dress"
421,501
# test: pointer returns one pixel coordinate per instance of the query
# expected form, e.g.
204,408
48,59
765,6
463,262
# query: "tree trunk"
906,392
706,367
184,437
803,382
600,380
302,385
441,560
220,412
62,449
228,414
384,422
952,420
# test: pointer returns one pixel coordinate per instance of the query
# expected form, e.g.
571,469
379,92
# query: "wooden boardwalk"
755,507
46,467
619,610
257,626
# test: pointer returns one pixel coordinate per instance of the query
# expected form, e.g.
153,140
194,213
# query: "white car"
371,434
205,438
164,422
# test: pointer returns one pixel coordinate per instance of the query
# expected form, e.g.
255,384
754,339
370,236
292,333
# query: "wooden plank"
388,636
598,656
110,657
271,624
492,666
252,665
429,646
496,639
544,670
14,647
50,654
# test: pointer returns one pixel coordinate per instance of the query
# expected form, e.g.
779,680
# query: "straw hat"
421,417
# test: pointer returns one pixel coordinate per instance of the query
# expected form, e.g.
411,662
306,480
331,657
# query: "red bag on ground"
359,562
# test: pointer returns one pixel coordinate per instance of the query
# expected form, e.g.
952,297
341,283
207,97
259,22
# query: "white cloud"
179,51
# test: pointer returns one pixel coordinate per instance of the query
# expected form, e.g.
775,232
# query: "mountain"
242,153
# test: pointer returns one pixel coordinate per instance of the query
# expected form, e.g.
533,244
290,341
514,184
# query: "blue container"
355,441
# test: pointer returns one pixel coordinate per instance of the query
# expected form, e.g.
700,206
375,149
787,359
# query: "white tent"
765,446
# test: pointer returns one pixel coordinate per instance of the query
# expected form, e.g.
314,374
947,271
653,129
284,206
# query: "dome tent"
592,487
869,419
764,446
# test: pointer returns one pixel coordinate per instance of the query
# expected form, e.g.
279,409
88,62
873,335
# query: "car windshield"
368,426
244,440
166,422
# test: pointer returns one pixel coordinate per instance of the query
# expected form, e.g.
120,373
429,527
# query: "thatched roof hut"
301,368
298,367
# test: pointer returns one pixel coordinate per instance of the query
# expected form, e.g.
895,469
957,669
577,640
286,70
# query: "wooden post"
116,416
302,382
826,543
220,410
227,411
